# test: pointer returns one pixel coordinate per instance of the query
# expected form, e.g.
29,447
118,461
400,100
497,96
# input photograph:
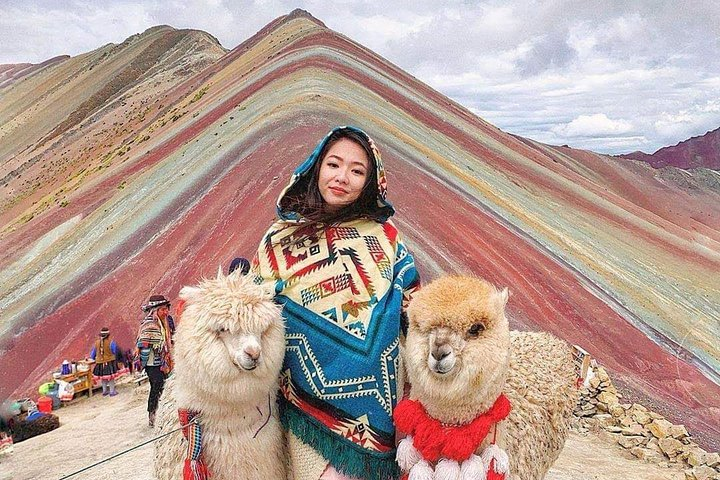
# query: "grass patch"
200,93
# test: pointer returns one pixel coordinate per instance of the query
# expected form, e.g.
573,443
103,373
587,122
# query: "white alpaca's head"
230,338
458,344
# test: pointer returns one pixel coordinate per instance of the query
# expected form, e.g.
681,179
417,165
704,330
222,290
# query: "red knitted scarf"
434,440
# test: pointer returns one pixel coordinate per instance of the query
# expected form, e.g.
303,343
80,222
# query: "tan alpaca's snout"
444,347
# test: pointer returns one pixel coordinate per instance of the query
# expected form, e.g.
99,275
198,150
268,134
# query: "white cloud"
696,120
597,125
537,69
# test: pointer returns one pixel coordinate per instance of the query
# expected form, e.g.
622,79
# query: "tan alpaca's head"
230,332
458,341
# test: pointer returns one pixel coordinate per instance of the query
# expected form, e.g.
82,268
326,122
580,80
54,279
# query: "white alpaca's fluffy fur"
228,352
460,355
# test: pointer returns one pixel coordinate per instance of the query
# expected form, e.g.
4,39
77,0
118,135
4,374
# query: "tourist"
343,275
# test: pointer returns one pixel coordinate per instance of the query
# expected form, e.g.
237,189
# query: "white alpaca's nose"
253,351
247,352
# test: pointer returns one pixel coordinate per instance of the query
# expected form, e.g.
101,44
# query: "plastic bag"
46,387
65,390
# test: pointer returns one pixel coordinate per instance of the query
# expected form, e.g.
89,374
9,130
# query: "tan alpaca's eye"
476,329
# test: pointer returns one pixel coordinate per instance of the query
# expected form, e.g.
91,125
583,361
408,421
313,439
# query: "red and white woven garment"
433,451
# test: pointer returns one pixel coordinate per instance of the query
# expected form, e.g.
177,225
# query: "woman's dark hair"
304,197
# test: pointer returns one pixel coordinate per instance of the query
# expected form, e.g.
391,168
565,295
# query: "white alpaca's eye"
476,329
222,330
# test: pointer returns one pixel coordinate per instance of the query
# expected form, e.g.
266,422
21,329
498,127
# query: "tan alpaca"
228,352
460,356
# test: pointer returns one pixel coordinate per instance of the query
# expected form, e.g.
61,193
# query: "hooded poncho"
343,287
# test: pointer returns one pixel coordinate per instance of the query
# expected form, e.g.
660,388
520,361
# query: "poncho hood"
306,168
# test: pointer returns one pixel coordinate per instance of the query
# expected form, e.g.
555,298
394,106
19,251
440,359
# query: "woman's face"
343,172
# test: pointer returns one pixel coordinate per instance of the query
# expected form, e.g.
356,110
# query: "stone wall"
644,433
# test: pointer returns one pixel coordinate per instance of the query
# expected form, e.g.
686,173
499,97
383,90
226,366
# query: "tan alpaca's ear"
189,294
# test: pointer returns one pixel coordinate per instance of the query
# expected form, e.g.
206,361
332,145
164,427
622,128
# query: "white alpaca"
460,356
228,352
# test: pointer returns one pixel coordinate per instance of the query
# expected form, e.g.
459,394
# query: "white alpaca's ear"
220,272
189,294
504,295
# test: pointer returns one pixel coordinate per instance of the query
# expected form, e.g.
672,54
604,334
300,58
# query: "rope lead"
128,450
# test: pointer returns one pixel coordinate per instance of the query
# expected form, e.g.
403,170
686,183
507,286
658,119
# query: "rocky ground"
96,428
643,432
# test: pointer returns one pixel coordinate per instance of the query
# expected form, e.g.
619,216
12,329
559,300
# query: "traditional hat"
104,331
155,301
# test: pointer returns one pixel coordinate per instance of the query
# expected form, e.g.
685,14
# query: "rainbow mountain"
137,168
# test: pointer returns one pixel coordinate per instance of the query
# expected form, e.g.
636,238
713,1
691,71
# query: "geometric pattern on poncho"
340,276
345,374
382,389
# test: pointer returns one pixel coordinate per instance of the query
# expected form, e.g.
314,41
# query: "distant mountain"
138,168
11,73
697,152
40,105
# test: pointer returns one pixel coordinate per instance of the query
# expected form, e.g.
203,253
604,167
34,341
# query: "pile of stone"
644,433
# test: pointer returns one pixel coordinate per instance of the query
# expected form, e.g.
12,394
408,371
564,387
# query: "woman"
153,345
338,266
105,352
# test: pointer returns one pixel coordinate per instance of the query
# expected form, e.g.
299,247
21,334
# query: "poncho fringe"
345,457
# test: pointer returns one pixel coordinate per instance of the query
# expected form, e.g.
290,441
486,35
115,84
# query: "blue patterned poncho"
343,287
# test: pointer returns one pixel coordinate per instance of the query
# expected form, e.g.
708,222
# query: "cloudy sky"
610,76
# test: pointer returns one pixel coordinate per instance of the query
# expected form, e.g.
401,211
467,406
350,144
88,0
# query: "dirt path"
102,426
588,457
89,430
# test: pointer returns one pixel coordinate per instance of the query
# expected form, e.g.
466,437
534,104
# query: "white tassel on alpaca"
422,471
407,455
473,468
476,467
502,461
447,470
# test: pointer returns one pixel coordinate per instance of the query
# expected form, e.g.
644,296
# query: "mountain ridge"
701,151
